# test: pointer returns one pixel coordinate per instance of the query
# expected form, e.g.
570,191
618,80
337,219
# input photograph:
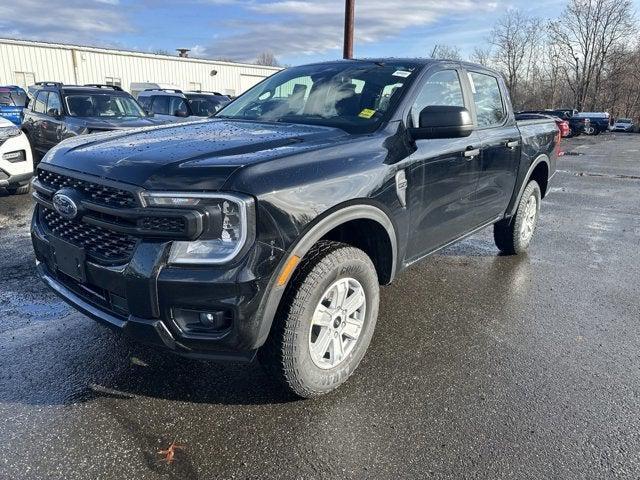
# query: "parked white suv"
16,161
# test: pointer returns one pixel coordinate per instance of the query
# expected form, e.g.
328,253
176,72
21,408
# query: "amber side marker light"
288,269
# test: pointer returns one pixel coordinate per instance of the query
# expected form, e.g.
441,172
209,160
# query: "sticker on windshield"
367,113
401,73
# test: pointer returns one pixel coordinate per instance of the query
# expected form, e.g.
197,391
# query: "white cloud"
292,27
72,21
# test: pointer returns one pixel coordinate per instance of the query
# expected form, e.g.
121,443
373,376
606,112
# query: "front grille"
100,243
102,194
163,224
111,222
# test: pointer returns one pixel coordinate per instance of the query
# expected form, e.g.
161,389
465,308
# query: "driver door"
443,173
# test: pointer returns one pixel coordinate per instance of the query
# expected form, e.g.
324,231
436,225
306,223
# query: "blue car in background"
13,99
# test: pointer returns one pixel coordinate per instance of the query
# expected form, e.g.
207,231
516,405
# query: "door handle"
513,144
471,153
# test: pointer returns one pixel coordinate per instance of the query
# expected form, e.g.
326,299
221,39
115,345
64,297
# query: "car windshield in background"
13,98
206,105
624,120
102,105
353,96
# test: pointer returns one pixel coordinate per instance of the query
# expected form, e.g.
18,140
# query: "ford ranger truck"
268,229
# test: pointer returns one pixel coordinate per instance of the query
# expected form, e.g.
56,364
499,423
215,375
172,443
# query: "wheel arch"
333,225
538,171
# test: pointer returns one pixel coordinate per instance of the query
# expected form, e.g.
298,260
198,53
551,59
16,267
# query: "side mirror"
148,112
53,112
443,121
180,113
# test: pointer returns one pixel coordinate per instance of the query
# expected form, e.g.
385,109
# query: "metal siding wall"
55,63
46,63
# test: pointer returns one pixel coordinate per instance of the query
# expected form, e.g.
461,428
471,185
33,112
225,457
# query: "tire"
510,234
294,353
19,190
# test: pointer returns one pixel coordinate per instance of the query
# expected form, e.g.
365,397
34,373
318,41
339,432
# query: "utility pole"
349,13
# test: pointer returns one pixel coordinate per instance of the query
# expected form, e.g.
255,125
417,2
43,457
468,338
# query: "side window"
488,99
145,102
40,105
178,105
54,103
160,105
441,88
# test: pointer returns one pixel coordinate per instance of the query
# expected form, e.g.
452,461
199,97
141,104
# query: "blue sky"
296,31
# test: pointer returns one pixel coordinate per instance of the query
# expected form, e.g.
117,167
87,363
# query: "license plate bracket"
69,259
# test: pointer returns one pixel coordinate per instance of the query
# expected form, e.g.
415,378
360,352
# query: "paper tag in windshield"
367,113
401,73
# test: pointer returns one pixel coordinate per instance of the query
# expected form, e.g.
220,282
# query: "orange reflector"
288,270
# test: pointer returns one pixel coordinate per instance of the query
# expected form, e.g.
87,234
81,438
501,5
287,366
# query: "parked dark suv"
175,105
60,111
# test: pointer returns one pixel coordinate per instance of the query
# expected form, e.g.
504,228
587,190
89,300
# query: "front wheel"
513,235
325,322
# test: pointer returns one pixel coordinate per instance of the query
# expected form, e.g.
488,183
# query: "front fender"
313,233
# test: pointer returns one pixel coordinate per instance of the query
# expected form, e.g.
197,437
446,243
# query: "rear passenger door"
500,145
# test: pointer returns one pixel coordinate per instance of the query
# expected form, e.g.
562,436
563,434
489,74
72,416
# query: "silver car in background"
623,125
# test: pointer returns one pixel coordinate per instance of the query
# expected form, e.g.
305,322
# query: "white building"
25,62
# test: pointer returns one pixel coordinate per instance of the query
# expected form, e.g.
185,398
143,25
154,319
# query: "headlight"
230,223
7,132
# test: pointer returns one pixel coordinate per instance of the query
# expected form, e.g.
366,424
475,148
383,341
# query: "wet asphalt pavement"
482,366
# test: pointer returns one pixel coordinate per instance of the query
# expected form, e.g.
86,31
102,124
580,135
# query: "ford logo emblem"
65,205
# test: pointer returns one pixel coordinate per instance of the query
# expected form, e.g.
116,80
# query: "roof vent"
183,52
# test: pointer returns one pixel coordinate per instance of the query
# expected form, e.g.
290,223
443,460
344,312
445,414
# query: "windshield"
354,96
13,98
103,105
206,105
624,120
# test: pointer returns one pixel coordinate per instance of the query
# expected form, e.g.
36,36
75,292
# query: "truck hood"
199,155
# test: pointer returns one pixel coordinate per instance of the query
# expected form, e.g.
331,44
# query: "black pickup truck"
269,229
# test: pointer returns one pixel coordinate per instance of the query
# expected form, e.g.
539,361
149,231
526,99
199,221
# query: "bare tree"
481,55
445,52
587,32
514,39
267,58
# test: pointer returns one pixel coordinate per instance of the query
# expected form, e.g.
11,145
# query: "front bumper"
17,180
15,173
141,297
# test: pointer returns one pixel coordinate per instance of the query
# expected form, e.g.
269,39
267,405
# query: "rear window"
13,98
488,99
40,105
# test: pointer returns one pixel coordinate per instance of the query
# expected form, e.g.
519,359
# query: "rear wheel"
325,322
513,235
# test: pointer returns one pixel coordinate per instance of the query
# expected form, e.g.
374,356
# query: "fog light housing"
202,323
